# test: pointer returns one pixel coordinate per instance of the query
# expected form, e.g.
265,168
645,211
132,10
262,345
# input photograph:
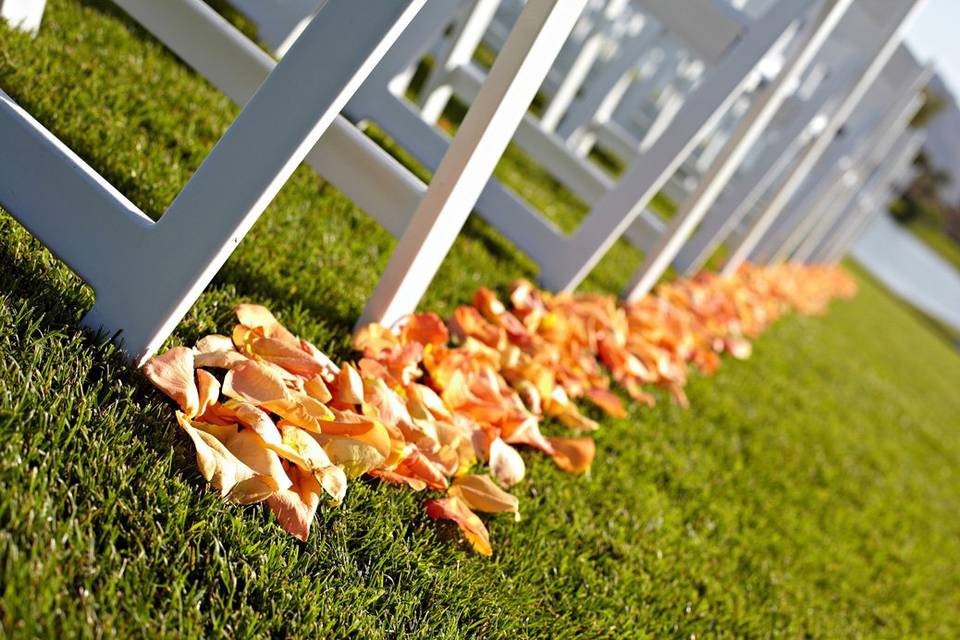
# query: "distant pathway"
910,269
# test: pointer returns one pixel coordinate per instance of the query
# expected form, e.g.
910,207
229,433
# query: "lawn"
813,490
933,234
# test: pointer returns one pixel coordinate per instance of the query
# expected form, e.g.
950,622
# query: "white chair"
871,177
761,112
870,202
875,28
564,260
883,113
146,274
351,161
796,123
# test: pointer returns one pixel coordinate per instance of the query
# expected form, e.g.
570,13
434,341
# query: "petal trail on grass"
427,402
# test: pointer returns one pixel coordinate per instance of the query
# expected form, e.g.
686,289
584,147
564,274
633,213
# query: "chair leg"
23,14
469,161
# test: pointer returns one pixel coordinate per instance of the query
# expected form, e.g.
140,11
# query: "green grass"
811,491
934,236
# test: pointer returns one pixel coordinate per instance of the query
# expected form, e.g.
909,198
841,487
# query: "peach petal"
454,508
482,494
208,390
172,373
608,401
296,507
253,382
573,455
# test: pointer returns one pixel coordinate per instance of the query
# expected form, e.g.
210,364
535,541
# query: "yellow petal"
482,494
302,410
256,316
356,457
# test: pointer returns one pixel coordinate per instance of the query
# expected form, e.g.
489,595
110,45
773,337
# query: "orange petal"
392,476
416,465
455,509
482,494
525,430
253,382
374,339
608,401
172,373
295,507
349,385
256,316
574,455
424,328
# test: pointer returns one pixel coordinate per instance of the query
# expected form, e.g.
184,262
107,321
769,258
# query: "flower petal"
208,389
253,382
172,373
295,507
608,401
505,463
482,494
454,508
573,455
256,316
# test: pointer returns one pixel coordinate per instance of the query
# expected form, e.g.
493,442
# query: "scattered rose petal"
505,463
573,455
455,509
296,506
254,383
482,494
172,373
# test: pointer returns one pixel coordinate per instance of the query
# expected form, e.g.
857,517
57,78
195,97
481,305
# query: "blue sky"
935,35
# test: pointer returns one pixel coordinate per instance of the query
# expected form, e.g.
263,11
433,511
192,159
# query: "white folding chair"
564,259
866,163
765,106
869,204
795,124
882,114
349,159
147,274
875,28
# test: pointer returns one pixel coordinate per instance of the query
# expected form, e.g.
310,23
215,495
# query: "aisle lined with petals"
443,406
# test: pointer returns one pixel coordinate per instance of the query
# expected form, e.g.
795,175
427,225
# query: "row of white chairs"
595,57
